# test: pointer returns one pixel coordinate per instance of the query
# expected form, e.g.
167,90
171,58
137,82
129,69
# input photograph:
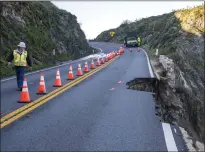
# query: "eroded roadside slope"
174,100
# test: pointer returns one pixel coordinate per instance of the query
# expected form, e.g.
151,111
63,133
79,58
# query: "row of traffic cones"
121,50
138,49
25,97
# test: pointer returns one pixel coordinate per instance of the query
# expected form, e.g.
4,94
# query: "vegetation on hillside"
43,27
160,31
192,20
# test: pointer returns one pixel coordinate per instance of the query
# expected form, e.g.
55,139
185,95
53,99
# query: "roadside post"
54,53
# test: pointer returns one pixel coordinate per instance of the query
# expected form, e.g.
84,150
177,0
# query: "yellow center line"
40,99
9,118
44,97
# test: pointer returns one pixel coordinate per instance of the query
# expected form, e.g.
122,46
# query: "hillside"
43,27
180,36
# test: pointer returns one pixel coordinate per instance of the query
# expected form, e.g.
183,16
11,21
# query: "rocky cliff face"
43,27
177,102
180,36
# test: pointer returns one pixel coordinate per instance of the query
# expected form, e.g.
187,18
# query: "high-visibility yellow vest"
139,40
20,60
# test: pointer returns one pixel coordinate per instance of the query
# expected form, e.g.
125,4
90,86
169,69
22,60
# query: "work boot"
19,89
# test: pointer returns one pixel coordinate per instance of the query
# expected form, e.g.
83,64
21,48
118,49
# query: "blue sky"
97,17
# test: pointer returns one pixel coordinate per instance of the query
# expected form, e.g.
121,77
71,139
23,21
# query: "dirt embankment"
174,100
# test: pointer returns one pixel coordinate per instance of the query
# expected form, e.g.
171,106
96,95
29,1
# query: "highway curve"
98,114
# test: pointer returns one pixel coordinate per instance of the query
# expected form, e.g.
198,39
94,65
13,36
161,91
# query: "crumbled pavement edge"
191,143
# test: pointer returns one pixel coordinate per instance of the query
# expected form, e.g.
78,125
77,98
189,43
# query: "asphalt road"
99,114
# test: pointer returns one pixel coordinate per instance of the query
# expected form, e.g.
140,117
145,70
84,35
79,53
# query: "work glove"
30,68
9,64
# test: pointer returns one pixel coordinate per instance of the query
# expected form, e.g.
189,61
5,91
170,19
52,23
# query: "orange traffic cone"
79,71
110,56
25,98
123,51
92,65
70,73
98,62
102,61
42,86
106,59
130,49
120,50
86,67
57,82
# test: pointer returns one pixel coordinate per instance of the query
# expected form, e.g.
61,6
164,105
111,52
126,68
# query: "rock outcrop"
177,102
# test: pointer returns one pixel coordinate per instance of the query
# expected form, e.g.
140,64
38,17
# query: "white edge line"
175,130
3,80
98,49
41,70
149,65
46,69
169,138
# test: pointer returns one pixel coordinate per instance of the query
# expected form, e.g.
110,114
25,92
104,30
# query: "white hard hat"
22,44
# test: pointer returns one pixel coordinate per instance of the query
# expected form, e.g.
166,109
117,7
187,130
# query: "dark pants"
20,75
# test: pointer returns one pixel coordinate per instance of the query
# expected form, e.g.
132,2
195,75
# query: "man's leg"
22,71
18,76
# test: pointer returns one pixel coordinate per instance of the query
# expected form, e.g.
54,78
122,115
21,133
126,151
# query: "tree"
126,22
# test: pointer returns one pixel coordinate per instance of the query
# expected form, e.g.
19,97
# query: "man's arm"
10,57
28,59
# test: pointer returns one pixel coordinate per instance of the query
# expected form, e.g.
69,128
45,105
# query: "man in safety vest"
139,41
20,60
